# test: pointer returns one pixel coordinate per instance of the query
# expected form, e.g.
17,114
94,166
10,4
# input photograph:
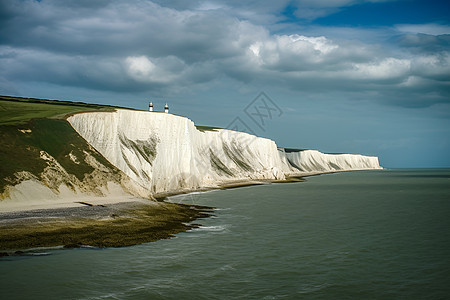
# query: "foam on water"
211,228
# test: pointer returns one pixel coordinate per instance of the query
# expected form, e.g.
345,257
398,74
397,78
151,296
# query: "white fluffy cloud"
146,46
142,69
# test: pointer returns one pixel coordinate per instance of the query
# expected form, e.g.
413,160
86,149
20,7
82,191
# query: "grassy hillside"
15,110
33,128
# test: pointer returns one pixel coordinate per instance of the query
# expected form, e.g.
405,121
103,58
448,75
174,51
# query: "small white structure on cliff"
150,107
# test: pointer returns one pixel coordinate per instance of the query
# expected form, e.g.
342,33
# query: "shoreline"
113,221
112,225
290,178
9,206
102,221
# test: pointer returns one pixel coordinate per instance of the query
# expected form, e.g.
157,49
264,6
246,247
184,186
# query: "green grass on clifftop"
15,110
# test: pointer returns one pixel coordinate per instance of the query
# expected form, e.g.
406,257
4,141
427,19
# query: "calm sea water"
359,235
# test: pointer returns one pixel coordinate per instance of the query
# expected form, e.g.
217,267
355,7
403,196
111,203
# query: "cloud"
313,9
266,12
145,46
139,67
161,70
424,43
429,29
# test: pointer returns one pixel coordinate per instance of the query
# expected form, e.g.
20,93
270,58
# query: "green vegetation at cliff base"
125,227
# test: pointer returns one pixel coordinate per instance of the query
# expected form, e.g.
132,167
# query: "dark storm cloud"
137,46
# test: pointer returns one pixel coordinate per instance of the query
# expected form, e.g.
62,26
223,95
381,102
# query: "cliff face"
315,161
147,154
166,153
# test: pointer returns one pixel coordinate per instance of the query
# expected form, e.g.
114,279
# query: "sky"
340,76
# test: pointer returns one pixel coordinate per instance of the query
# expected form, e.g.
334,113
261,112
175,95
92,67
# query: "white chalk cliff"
315,161
163,153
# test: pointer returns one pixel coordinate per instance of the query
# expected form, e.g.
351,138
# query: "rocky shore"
111,225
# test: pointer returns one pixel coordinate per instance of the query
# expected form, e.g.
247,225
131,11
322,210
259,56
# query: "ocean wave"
217,228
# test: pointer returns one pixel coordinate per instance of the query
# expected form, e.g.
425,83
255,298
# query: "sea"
381,234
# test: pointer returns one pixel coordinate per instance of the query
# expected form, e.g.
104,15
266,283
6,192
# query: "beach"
102,225
117,220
